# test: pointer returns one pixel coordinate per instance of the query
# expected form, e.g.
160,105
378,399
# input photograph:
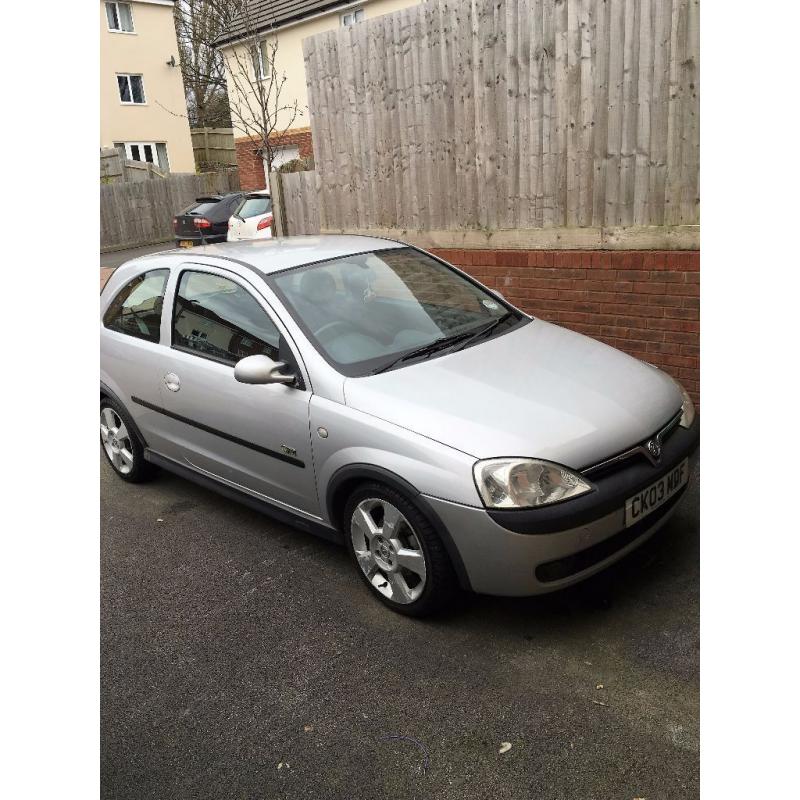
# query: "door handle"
172,381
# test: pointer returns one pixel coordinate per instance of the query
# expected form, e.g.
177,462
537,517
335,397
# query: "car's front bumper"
527,552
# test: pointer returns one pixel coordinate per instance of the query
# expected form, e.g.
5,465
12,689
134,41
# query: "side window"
218,319
136,310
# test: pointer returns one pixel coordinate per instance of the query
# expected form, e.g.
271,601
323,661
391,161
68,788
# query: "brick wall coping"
290,132
677,237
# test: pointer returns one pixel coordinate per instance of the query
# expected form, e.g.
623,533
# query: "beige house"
142,103
289,22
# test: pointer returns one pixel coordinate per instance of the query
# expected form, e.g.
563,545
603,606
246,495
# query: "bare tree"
259,109
198,24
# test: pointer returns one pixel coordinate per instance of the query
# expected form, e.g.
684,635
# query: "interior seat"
317,292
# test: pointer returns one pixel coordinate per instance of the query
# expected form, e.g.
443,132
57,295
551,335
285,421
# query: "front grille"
638,451
578,562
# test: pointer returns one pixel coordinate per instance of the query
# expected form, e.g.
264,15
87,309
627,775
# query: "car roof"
275,255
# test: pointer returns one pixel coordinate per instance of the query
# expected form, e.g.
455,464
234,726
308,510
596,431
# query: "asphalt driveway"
243,659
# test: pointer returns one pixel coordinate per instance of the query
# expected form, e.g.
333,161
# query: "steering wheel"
324,333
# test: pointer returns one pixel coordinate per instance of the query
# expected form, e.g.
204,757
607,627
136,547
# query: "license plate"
184,243
655,495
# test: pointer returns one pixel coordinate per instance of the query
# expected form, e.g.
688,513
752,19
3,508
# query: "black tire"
141,470
441,587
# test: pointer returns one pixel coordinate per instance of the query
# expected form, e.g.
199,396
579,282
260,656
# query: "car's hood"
539,390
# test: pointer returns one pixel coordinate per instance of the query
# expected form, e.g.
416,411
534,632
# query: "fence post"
282,222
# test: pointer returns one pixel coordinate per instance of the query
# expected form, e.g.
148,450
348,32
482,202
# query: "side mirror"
261,370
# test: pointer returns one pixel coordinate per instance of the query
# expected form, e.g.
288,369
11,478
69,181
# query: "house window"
259,56
351,17
119,17
131,89
149,152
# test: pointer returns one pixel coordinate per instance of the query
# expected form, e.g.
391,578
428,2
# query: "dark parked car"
206,220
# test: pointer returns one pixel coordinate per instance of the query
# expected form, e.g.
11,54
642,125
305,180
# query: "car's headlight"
525,483
687,408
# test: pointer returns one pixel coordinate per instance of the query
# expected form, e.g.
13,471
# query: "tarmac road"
244,659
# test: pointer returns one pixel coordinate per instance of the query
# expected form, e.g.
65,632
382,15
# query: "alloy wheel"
388,551
116,440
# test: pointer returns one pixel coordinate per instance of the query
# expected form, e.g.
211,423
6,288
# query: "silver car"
367,391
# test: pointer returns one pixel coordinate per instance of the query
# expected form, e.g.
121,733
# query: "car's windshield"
365,312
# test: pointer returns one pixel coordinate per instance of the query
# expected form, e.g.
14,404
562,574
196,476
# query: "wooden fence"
507,114
115,169
213,146
140,213
295,201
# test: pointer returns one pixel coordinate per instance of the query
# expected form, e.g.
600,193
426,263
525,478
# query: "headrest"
356,282
317,286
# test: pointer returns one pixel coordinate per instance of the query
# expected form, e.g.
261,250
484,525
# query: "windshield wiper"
486,329
431,347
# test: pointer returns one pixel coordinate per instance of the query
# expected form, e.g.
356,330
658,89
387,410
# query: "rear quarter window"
136,309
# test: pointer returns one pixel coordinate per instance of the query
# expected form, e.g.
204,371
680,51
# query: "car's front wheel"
120,443
398,552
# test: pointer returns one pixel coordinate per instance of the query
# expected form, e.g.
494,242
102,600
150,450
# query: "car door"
255,437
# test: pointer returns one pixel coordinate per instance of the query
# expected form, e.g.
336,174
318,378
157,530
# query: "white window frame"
129,156
354,15
258,65
130,9
130,75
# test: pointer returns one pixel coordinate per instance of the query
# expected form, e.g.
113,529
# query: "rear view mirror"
261,370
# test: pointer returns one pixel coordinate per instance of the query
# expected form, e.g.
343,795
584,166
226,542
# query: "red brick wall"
251,165
646,303
301,138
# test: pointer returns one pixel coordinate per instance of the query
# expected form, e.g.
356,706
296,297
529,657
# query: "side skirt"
280,514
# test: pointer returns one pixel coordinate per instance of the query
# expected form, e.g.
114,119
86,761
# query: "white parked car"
252,218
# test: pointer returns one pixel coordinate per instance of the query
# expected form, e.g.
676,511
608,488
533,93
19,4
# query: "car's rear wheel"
121,444
397,551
